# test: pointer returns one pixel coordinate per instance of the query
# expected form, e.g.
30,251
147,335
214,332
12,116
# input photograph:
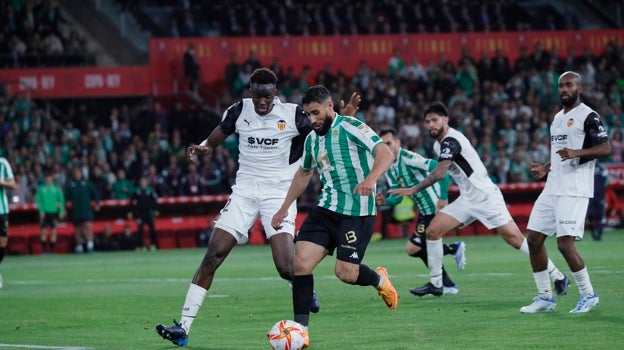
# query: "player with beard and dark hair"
350,157
577,139
479,199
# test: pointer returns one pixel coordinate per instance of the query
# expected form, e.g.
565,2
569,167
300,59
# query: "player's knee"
346,274
412,249
565,246
285,270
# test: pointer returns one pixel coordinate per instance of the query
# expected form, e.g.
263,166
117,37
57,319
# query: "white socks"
582,281
194,298
553,271
435,252
543,284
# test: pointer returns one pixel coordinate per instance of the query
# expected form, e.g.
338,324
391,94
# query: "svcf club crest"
570,122
281,125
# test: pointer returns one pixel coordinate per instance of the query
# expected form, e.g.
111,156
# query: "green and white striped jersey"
408,170
6,173
343,157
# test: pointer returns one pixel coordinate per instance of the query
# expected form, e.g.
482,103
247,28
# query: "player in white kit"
577,139
479,199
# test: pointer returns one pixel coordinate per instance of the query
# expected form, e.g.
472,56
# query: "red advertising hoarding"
165,70
78,82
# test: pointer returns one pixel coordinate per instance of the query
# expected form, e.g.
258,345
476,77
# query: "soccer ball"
286,335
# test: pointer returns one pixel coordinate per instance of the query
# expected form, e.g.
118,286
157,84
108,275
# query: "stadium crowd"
502,107
270,18
34,33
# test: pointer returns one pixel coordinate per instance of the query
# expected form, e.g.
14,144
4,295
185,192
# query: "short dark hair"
263,76
316,93
437,108
390,131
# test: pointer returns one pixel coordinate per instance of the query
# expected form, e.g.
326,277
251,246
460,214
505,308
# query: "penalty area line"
32,346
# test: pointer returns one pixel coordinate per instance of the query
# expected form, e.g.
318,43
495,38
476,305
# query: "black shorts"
349,235
4,225
418,236
49,220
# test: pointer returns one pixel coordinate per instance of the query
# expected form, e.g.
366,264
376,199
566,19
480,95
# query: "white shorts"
251,200
559,215
491,211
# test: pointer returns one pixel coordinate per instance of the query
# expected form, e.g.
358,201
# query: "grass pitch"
114,301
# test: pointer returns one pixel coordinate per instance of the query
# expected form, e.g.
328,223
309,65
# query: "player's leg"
541,225
88,232
78,234
53,232
570,221
4,238
140,239
416,246
352,236
152,232
440,225
232,227
283,250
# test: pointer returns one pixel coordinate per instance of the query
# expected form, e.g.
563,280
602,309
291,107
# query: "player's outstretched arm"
216,137
438,173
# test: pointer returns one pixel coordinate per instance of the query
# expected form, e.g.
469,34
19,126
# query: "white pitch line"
31,346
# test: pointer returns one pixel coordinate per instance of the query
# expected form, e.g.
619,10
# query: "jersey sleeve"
230,116
595,131
361,134
303,123
450,148
303,127
308,159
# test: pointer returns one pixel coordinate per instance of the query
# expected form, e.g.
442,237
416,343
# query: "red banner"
165,71
346,52
78,82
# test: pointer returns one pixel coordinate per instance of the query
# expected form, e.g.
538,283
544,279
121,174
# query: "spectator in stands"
191,69
84,200
51,205
395,63
7,182
122,188
100,183
231,73
144,207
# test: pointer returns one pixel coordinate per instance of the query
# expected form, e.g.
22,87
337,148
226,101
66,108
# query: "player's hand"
364,188
380,199
352,107
62,215
566,153
441,204
129,216
538,170
405,191
193,150
276,222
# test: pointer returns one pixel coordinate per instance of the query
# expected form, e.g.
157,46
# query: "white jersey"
467,170
271,145
580,128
